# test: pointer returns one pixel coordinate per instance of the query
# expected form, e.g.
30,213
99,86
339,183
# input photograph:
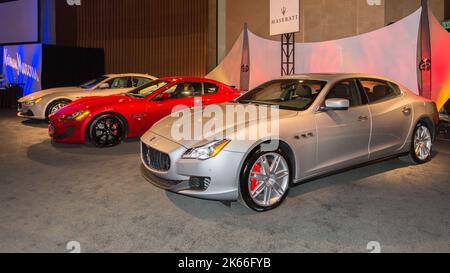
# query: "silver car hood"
165,126
46,92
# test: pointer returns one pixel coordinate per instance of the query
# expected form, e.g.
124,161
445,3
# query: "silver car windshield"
290,94
90,84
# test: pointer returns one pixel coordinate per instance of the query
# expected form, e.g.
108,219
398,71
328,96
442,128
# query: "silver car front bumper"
34,112
213,179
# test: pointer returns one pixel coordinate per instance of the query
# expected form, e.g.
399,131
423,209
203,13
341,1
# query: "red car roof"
199,79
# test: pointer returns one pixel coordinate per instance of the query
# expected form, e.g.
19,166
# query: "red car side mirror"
165,96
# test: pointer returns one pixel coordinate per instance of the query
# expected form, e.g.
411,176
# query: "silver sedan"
326,123
41,104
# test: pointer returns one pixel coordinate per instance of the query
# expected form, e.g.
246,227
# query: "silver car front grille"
155,159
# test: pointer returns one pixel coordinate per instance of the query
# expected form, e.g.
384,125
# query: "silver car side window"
346,89
119,83
379,91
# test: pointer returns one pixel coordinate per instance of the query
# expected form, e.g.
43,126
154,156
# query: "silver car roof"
130,75
331,77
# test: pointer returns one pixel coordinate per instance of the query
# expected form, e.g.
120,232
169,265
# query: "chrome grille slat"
155,159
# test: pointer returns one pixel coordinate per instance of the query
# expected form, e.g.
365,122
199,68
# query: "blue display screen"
22,65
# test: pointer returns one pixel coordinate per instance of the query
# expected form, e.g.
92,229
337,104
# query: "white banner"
390,52
284,16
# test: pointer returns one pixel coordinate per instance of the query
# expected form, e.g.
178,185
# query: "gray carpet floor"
51,194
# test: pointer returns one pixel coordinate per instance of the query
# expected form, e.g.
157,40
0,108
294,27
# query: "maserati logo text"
285,18
20,67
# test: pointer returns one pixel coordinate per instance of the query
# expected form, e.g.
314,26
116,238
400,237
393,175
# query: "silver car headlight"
31,103
78,116
207,151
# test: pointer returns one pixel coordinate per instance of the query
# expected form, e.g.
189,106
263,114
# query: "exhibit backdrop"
1,66
391,52
440,62
22,66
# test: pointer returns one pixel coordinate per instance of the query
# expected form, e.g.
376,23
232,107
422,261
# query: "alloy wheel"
58,106
269,179
423,143
107,132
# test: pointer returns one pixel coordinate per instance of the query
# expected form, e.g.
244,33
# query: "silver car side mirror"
337,104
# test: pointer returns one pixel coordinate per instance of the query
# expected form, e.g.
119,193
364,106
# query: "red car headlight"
78,116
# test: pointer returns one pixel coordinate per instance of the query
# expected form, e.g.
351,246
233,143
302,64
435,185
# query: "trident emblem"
425,65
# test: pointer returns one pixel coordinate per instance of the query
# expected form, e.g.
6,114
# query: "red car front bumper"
66,132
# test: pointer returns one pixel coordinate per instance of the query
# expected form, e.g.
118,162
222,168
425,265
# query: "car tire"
276,188
55,106
421,146
107,130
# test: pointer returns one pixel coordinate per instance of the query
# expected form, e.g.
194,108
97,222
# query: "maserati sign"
22,65
16,63
284,16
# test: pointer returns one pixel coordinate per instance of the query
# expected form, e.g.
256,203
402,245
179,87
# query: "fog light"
199,183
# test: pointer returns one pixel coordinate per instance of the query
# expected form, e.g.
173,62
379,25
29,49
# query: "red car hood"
92,103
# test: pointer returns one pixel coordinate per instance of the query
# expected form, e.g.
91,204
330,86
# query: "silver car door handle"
406,110
363,118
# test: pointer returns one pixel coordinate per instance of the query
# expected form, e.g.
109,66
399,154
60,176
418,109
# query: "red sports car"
107,121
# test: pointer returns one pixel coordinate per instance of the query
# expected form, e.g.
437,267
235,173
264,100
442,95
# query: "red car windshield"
148,89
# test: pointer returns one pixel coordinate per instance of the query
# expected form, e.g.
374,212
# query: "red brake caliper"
254,181
114,127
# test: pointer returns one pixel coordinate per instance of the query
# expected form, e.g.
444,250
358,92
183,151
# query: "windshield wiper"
243,101
132,95
257,102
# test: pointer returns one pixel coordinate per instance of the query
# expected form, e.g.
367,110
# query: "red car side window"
183,90
210,88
